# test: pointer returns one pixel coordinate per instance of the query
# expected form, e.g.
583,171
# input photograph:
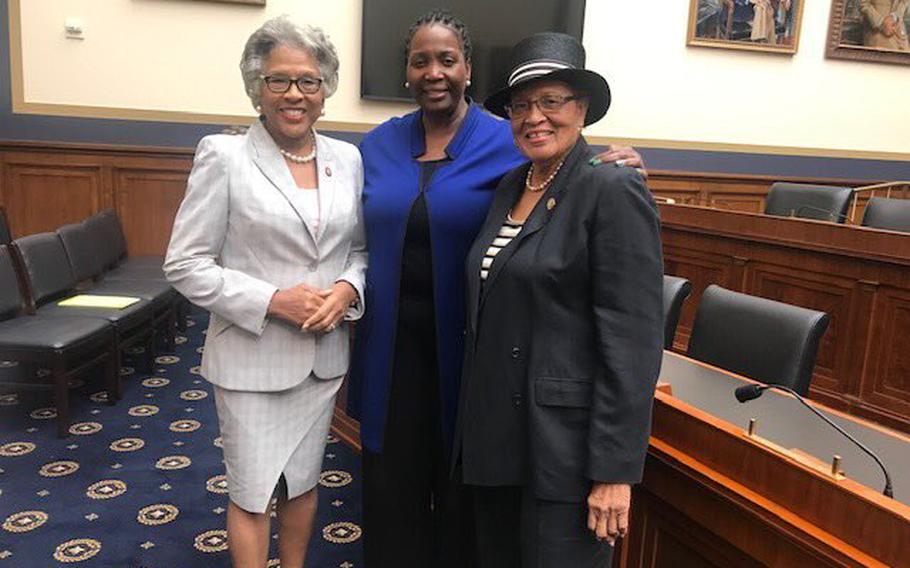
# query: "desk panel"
712,496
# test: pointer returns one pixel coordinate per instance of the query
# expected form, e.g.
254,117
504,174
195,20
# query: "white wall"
181,56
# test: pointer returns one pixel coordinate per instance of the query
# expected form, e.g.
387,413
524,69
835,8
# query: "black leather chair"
66,346
822,202
106,233
5,234
104,228
891,214
676,290
48,278
761,339
86,265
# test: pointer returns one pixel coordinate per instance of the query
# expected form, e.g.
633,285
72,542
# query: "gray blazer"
238,238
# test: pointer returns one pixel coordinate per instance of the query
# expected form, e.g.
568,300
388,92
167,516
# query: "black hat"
553,56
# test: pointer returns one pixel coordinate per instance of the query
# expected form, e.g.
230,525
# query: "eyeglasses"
547,104
280,85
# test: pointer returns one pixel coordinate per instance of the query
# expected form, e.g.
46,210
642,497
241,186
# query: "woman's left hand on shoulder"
337,300
608,510
622,156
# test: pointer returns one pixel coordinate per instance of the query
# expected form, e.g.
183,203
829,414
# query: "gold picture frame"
856,31
248,2
771,26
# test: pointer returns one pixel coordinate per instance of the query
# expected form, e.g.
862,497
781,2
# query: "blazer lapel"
271,164
506,195
539,216
327,172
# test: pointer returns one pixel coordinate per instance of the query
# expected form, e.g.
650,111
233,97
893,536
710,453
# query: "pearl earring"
258,109
468,83
407,84
322,112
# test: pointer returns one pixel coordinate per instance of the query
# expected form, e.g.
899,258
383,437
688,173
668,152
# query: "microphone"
752,391
832,215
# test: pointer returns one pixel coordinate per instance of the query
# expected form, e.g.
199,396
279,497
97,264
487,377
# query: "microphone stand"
746,393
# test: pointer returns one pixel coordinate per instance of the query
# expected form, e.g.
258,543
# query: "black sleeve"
627,291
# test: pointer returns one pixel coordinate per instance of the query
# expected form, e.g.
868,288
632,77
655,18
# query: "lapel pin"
328,171
551,203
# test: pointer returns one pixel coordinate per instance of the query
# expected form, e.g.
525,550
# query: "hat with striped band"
557,57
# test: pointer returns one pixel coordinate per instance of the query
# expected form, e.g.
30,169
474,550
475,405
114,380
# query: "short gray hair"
282,31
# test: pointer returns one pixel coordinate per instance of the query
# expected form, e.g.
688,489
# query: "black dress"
413,513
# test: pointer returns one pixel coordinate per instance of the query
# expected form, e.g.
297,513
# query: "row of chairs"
40,270
830,203
762,339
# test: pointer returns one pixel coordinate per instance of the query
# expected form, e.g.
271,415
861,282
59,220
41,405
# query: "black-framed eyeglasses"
547,104
280,85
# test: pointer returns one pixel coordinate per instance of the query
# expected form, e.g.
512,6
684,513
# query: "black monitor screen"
495,26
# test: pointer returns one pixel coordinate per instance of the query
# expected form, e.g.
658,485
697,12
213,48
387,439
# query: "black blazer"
564,339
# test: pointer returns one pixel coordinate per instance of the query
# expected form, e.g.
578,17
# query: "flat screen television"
495,26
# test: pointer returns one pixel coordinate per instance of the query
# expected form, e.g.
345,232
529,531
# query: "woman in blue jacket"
429,181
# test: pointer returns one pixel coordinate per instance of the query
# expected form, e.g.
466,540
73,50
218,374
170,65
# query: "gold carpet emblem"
180,340
167,359
197,370
106,489
155,382
185,425
211,541
24,521
14,449
44,413
77,550
194,394
127,371
217,484
173,462
11,399
127,444
160,514
58,468
334,478
143,410
341,533
85,428
100,396
218,442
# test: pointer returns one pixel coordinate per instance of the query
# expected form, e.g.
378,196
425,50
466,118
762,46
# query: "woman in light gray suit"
269,239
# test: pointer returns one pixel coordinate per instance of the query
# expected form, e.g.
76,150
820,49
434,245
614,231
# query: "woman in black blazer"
564,335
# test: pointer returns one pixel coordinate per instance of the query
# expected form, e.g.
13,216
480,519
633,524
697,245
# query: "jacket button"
516,352
517,399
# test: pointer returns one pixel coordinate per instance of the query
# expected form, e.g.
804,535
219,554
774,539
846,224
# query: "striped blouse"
507,232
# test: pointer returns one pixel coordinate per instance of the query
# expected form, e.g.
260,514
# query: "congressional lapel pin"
328,171
551,203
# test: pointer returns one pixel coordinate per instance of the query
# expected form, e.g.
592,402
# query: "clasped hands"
312,309
608,510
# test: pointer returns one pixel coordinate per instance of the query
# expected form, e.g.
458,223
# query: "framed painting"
870,30
753,25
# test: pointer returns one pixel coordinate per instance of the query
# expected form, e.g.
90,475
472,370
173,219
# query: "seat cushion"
133,272
44,333
155,291
124,320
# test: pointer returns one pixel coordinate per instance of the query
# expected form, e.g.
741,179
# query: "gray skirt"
267,434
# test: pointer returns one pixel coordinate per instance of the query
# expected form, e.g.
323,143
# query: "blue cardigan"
457,198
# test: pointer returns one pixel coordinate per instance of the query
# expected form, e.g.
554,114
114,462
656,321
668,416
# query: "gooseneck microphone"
753,391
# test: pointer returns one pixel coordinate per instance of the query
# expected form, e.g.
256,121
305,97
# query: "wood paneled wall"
44,186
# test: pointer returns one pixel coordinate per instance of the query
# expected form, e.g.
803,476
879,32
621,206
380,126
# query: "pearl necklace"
301,159
546,182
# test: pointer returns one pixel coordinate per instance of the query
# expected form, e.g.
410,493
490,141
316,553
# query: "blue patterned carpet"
141,484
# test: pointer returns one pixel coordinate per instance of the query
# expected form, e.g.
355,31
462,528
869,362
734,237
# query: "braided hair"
442,18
